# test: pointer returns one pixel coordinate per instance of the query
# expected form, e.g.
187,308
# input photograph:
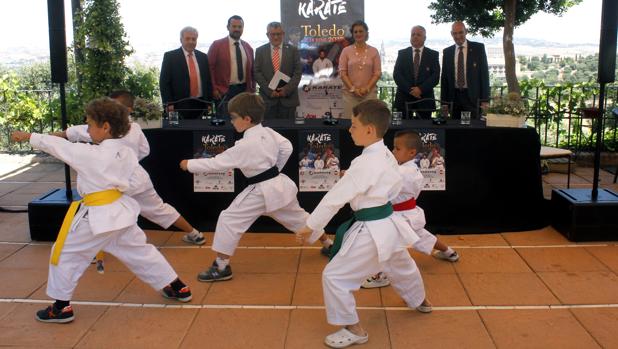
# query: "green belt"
363,215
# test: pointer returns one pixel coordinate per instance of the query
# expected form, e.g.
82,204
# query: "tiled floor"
509,290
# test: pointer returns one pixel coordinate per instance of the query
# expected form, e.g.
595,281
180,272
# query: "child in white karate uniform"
405,148
107,219
376,239
152,206
260,155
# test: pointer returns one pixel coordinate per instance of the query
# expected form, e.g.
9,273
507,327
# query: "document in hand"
278,80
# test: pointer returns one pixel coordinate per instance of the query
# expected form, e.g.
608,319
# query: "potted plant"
507,111
147,113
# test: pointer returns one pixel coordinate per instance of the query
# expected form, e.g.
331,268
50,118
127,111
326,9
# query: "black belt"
264,176
238,85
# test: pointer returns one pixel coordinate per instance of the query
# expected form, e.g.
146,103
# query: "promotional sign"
320,29
208,144
432,159
318,162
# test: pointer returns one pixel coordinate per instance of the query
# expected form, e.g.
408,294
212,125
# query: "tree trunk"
507,45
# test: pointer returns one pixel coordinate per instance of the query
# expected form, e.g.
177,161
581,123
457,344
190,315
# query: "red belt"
406,205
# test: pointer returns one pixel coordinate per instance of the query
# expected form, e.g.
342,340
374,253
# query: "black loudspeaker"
57,41
607,46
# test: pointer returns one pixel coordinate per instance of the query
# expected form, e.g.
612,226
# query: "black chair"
412,108
193,108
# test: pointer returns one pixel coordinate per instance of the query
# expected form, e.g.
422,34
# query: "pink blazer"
219,62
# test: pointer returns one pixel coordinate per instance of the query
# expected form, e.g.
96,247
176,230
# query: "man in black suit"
466,83
281,102
184,74
416,73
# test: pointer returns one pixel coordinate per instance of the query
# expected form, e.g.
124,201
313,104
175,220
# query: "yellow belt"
99,198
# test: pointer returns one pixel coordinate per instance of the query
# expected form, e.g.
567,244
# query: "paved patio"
517,289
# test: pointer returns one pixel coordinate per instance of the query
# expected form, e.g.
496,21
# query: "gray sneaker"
376,281
451,257
214,274
196,240
425,307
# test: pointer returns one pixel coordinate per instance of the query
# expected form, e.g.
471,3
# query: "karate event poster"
208,144
432,159
318,161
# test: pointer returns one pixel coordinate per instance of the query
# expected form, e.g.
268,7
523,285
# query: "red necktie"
276,63
193,77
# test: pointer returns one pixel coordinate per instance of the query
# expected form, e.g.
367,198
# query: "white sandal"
344,338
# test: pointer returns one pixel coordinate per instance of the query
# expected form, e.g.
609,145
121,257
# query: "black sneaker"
184,295
100,267
325,251
214,274
51,314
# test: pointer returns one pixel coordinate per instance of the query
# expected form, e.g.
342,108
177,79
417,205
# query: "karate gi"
372,180
140,188
111,228
260,149
412,187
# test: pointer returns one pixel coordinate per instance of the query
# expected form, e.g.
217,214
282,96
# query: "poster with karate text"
318,161
431,160
206,145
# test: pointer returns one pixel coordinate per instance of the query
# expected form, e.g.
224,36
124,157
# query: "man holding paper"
277,69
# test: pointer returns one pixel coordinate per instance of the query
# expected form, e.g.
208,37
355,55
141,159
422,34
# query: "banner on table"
318,161
432,159
320,29
208,144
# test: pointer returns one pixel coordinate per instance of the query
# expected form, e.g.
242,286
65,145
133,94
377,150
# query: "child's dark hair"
124,97
411,138
105,109
248,104
373,112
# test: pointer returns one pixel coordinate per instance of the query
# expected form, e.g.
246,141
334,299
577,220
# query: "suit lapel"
183,64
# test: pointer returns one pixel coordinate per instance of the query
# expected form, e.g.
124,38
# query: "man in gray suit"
281,102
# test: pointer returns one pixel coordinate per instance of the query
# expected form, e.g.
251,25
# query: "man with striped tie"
465,74
276,56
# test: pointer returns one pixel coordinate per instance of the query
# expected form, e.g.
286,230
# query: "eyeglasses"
275,34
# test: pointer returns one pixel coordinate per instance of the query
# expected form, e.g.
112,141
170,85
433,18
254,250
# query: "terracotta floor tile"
583,287
311,261
20,283
157,237
15,227
189,259
540,237
601,323
608,255
506,289
308,291
490,260
431,265
536,329
309,327
29,257
24,330
441,290
8,249
6,308
268,239
139,328
410,329
95,287
473,240
560,259
253,289
6,188
141,293
238,328
561,178
265,261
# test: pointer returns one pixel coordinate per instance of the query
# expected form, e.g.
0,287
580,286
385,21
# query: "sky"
148,23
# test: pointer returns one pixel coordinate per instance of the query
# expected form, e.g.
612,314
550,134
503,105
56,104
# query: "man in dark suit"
281,102
466,83
231,65
416,73
185,74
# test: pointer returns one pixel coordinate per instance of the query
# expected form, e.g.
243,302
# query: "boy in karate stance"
151,205
260,155
374,239
107,219
405,147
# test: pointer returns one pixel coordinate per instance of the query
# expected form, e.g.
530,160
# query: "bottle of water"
396,117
